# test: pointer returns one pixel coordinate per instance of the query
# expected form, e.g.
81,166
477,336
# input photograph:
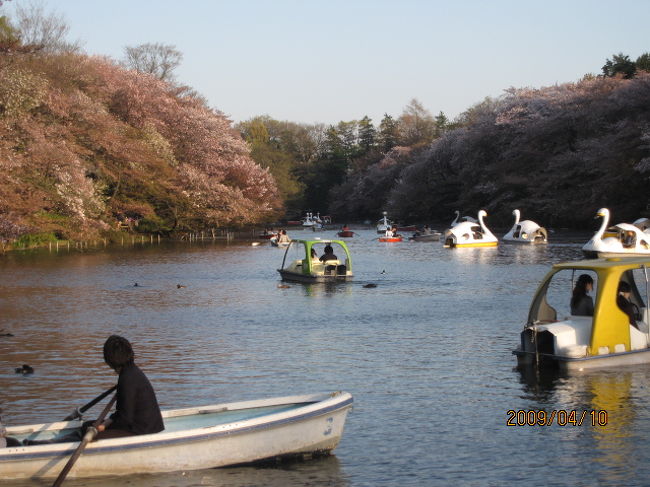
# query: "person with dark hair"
623,302
581,302
329,254
137,411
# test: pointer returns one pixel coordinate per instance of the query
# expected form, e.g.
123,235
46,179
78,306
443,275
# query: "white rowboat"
194,438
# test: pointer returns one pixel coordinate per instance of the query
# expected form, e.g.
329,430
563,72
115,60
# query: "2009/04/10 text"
561,417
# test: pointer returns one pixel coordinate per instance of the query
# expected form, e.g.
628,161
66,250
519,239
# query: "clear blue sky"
331,60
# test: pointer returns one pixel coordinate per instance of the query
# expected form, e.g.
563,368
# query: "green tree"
620,64
441,123
266,152
643,62
389,133
367,134
9,37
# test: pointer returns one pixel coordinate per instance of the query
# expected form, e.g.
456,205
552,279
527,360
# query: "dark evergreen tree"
388,133
643,62
367,134
620,64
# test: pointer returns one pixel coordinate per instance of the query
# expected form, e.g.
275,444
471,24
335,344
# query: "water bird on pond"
25,369
136,285
383,271
179,286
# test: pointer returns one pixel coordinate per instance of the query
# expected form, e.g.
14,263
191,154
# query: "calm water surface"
426,354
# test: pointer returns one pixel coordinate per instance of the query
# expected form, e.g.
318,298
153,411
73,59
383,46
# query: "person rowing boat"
137,411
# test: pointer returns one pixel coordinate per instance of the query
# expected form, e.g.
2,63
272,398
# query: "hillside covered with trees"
87,145
90,145
558,153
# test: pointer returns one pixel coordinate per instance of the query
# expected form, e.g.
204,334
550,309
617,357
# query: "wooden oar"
88,437
79,411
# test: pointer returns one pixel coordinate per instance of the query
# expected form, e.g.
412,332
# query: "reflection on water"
426,353
318,472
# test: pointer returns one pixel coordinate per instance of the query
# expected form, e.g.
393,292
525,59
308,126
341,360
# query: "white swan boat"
526,231
554,336
466,218
384,224
194,438
312,221
622,239
470,234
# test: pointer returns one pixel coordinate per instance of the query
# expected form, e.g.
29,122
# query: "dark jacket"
584,306
137,408
326,257
628,308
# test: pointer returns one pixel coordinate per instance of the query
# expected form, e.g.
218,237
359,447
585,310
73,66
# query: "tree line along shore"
92,148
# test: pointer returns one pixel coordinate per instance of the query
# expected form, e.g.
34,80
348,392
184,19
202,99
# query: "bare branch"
159,60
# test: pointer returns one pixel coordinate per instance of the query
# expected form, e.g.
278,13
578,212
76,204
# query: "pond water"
426,355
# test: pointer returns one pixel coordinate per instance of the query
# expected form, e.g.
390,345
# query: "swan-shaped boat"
554,336
312,221
384,224
526,231
470,234
466,218
622,239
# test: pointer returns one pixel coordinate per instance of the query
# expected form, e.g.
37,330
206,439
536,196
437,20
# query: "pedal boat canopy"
603,340
299,265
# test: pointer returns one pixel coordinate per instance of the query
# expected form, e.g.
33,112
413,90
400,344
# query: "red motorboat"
390,239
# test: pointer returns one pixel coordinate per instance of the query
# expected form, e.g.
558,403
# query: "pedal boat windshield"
302,262
554,336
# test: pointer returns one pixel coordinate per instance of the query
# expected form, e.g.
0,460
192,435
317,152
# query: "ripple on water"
426,354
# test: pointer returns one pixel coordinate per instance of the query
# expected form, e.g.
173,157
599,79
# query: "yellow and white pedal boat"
470,234
553,336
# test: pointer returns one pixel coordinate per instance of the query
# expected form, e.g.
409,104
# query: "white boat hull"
313,428
570,364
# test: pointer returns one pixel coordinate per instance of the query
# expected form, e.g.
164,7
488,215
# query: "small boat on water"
620,240
390,239
281,239
267,235
384,224
302,264
194,438
310,220
527,232
345,232
470,234
556,334
426,237
407,228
